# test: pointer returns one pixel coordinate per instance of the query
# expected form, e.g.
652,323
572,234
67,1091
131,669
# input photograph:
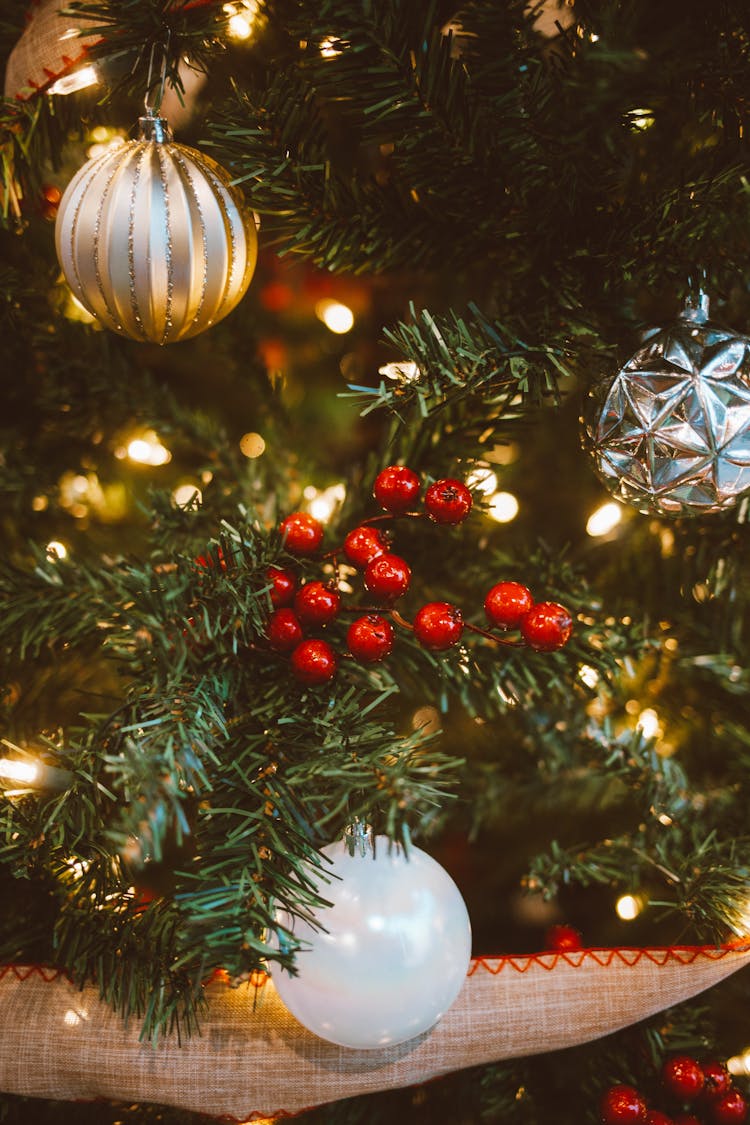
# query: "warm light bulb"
239,26
648,723
483,480
403,371
604,519
14,770
588,675
323,504
56,550
252,445
329,48
503,507
628,907
148,450
337,318
185,493
78,80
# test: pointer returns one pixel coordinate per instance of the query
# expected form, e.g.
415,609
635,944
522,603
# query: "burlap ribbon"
49,48
253,1059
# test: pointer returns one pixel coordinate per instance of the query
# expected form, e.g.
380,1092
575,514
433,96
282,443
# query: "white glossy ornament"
394,951
153,239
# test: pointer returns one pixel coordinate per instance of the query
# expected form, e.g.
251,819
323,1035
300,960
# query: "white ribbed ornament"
153,240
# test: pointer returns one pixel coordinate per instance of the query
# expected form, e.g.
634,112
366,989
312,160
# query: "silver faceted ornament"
153,239
670,434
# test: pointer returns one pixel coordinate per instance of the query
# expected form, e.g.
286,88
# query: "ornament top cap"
696,307
151,127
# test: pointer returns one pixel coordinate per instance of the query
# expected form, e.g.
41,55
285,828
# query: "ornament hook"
152,109
697,301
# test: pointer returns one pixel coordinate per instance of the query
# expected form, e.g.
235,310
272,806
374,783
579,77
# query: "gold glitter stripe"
147,151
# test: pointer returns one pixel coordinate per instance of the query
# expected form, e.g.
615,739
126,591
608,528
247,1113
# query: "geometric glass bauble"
670,434
154,240
389,954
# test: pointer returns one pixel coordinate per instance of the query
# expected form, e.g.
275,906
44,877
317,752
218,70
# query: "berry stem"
493,637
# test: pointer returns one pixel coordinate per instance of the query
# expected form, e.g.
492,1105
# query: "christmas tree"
321,543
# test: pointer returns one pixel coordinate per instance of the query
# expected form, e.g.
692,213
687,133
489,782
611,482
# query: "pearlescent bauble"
671,433
393,954
153,240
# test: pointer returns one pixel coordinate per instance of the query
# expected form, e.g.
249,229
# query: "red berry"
317,604
314,662
656,1117
507,603
208,562
563,939
387,577
370,638
284,630
729,1109
301,533
687,1119
438,625
396,489
717,1079
546,626
622,1105
683,1077
283,586
364,544
448,501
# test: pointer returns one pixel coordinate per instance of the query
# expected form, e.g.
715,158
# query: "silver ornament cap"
670,433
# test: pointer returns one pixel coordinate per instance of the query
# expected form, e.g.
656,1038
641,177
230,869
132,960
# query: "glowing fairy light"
329,48
482,479
186,494
628,907
337,317
503,507
56,550
648,723
739,1065
78,80
25,773
604,519
323,504
403,371
252,445
148,450
588,675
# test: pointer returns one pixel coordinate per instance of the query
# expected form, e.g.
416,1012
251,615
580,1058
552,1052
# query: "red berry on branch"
301,533
370,638
448,501
656,1117
283,586
507,603
314,662
317,604
729,1109
683,1077
284,631
387,577
438,625
623,1105
396,489
717,1079
364,544
563,939
546,626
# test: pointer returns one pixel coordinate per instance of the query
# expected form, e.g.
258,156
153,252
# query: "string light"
628,907
588,675
14,770
243,18
503,507
56,550
604,519
329,48
739,1065
78,80
483,480
148,450
187,494
403,371
252,445
648,723
323,504
337,318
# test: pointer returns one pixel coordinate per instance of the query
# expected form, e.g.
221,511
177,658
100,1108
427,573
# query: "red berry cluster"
704,1087
386,577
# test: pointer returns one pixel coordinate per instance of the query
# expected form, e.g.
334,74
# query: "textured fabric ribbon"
49,48
253,1059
